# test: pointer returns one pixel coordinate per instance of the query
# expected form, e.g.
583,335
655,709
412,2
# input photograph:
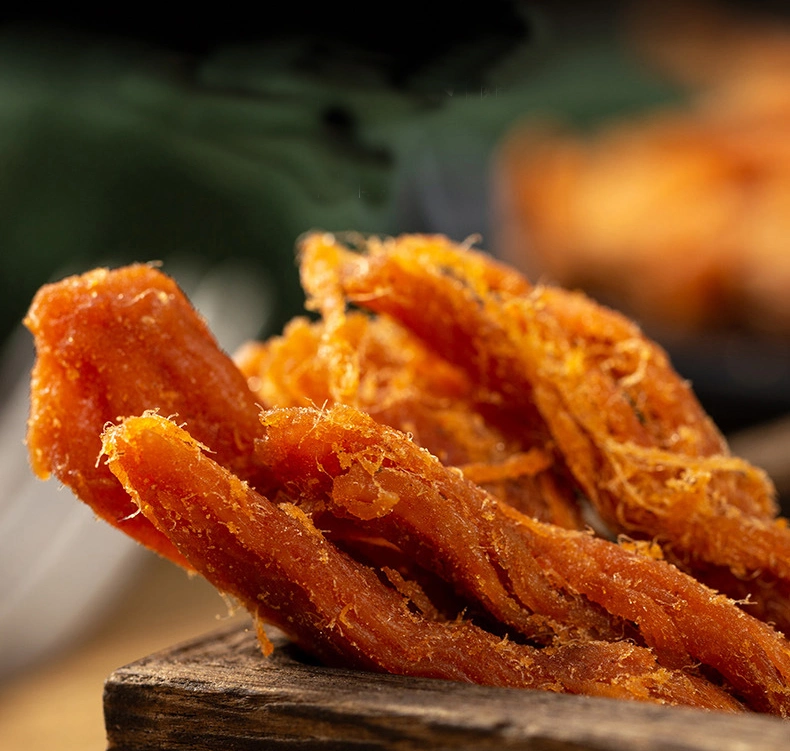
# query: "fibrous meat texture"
377,366
405,490
629,429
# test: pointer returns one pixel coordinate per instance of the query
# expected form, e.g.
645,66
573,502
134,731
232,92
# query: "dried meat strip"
630,430
341,461
283,569
400,383
115,343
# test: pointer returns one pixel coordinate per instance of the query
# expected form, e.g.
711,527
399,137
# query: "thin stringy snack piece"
285,571
114,343
393,378
629,429
411,471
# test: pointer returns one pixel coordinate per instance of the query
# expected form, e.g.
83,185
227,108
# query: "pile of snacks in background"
680,214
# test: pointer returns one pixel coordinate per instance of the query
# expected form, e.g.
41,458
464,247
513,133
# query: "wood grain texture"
218,692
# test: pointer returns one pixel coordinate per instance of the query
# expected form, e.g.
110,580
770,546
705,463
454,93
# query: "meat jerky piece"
488,328
447,324
400,383
343,461
116,343
631,431
281,567
709,510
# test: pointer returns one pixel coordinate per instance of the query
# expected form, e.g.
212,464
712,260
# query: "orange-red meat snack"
412,498
285,571
115,343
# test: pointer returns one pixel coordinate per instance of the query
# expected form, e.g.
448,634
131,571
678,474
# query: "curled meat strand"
630,430
344,461
285,571
112,344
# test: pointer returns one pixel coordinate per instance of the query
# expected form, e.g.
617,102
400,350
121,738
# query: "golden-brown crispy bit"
115,343
630,430
284,570
342,462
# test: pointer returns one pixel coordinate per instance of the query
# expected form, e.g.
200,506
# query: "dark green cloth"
112,152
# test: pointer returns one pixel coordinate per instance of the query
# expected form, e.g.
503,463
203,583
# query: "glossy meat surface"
114,343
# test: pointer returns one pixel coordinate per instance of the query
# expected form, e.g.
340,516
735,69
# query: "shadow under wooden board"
219,692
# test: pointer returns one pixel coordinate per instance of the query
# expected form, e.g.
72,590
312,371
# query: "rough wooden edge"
218,692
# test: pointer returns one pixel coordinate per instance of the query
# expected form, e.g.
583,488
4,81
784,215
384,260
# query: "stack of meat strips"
409,481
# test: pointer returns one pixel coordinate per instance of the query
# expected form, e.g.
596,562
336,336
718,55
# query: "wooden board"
218,692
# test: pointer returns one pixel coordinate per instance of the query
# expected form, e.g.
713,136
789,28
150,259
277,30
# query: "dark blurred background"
125,138
210,139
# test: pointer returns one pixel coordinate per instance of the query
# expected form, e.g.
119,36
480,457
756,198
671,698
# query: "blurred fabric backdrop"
218,140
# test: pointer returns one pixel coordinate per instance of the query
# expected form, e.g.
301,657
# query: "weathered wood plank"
218,692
